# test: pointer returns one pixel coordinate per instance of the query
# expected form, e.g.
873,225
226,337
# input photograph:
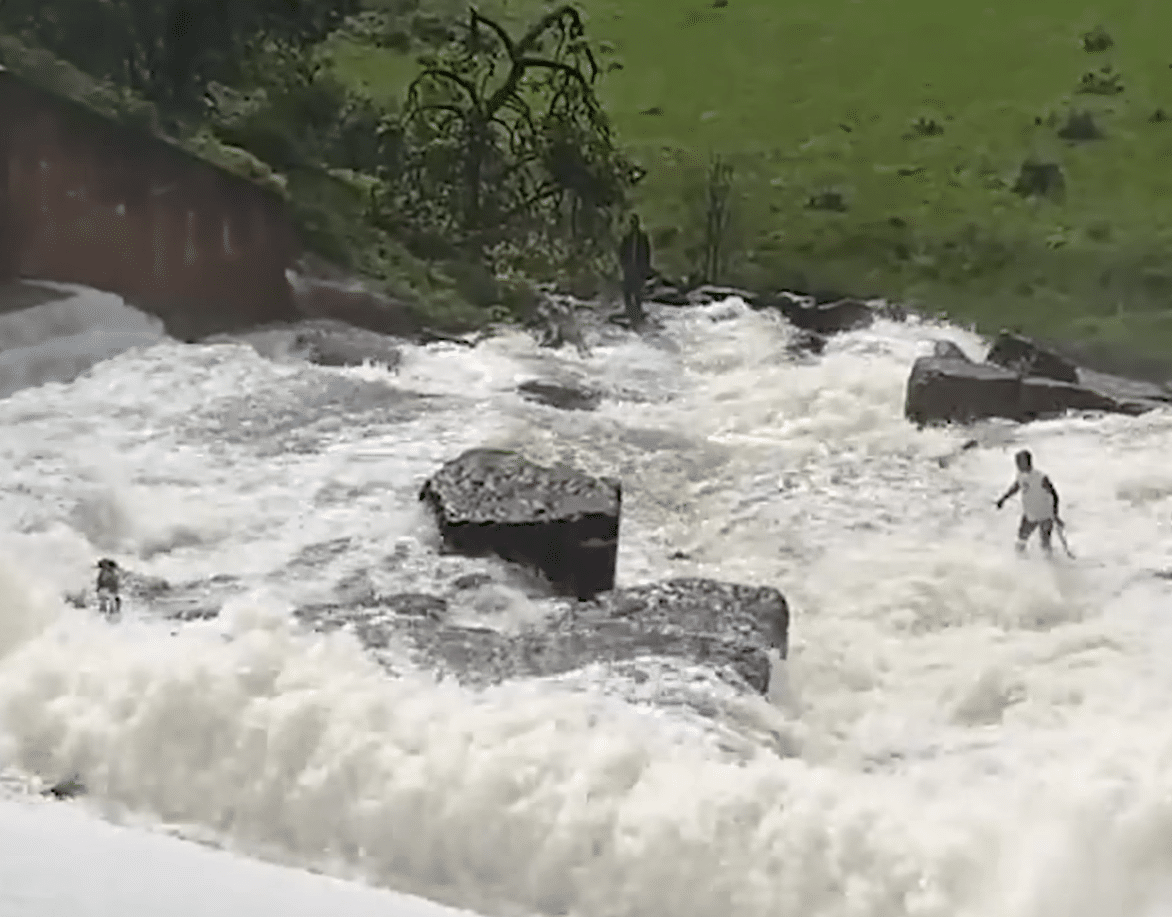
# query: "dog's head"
106,564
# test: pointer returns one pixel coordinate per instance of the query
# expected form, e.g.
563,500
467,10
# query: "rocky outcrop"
730,629
949,387
556,395
557,520
1025,357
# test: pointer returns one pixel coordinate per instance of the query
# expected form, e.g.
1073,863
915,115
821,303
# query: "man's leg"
1045,531
632,304
1023,533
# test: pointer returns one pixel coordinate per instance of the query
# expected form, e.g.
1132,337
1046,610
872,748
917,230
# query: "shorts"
1045,529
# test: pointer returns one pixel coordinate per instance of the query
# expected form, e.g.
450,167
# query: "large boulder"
1028,358
950,389
558,520
730,629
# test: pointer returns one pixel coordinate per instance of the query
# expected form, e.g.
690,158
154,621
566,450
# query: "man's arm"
1009,493
1049,485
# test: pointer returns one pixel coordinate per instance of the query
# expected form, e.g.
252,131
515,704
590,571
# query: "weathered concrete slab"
728,628
557,520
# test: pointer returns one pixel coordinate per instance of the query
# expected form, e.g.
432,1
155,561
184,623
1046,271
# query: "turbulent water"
957,731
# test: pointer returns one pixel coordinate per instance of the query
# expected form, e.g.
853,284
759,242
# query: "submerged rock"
822,318
710,293
727,628
667,295
555,321
68,788
558,520
806,342
338,344
555,395
322,292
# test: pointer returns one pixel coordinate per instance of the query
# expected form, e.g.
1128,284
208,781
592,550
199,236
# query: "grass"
822,99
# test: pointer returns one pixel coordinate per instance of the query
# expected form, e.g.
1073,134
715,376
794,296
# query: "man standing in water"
1039,502
635,259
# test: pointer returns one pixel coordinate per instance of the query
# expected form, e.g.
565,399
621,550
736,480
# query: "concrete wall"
85,200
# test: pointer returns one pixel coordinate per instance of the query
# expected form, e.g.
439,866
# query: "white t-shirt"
1037,503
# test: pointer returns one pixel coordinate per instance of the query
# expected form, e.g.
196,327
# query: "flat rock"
730,629
1041,397
1028,358
948,389
1123,389
556,395
557,520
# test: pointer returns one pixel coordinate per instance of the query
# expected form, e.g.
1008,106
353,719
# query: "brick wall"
85,200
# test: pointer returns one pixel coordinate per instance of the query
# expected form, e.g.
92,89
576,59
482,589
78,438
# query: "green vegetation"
1004,163
899,148
500,171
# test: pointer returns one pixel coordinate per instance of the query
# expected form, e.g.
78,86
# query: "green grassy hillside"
877,145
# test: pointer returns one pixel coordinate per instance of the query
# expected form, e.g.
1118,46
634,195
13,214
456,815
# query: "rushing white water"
60,339
958,731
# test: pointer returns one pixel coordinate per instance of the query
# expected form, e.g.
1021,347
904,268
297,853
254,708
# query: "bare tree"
718,186
505,134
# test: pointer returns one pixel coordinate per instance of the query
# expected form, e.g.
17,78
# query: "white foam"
958,732
58,341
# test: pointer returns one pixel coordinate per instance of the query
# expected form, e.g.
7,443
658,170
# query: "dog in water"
109,599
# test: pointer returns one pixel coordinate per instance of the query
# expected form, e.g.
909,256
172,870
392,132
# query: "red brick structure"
86,200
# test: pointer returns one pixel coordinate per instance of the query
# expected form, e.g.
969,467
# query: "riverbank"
927,155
